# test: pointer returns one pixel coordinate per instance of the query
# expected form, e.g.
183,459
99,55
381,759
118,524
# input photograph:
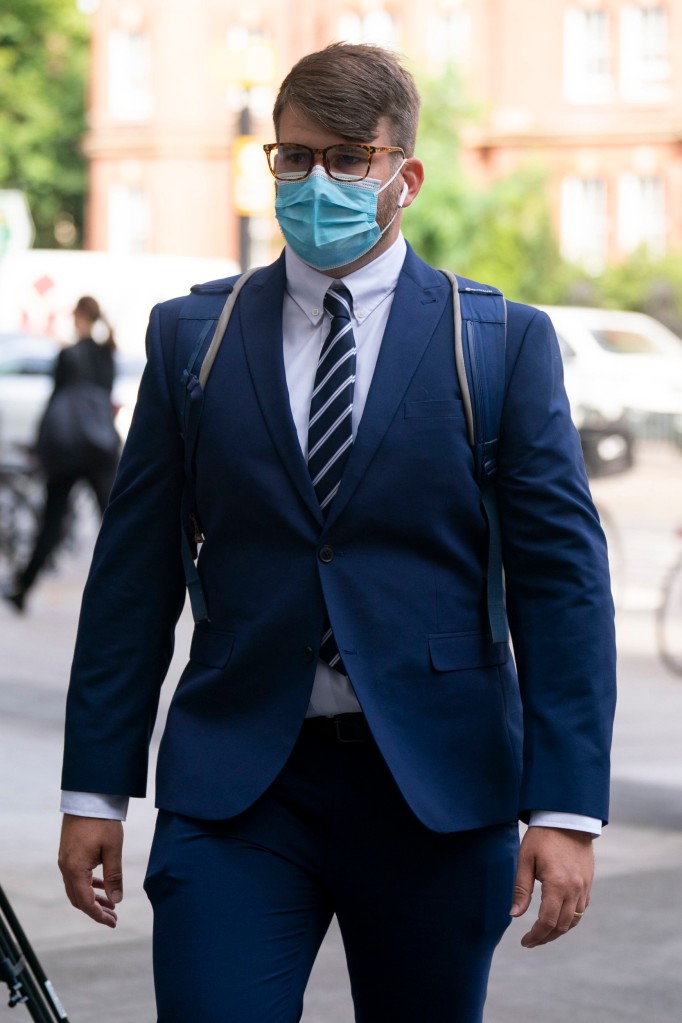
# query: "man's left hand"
563,862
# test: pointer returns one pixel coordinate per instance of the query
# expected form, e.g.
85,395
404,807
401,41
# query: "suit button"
308,654
326,554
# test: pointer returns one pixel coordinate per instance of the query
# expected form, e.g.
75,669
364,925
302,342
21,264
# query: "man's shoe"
15,597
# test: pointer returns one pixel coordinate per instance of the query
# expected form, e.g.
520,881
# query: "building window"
448,35
584,222
645,71
129,220
588,60
130,76
377,27
641,213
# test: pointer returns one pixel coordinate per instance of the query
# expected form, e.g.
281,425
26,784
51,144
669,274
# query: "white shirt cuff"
98,804
95,804
570,821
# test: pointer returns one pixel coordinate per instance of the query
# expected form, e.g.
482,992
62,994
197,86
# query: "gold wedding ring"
579,914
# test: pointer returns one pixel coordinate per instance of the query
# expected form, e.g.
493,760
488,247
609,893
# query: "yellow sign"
254,185
248,59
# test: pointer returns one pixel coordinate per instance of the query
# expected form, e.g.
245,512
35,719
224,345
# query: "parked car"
621,368
598,408
26,366
605,433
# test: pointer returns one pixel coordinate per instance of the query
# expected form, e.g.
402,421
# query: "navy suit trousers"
241,906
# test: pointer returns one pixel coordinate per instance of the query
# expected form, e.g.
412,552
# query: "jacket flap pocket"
211,647
434,409
455,651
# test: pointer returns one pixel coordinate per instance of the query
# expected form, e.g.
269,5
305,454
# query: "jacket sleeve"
134,593
557,581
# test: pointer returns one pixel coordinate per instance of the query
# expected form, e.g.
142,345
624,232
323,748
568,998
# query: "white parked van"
39,288
621,365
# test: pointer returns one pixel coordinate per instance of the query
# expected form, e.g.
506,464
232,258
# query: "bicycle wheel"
669,621
18,524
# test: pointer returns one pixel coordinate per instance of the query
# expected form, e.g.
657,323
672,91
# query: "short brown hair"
348,88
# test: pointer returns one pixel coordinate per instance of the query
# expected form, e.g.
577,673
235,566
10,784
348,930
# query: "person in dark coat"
87,362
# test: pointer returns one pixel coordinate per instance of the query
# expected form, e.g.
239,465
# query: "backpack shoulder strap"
480,333
221,325
480,349
194,379
480,344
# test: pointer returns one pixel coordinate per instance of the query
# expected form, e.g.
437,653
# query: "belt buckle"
342,727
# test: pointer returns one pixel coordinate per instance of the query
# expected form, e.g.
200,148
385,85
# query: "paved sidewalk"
622,964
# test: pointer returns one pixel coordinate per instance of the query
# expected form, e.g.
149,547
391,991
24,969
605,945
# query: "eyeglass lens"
347,163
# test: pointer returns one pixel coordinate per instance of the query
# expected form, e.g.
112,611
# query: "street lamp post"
251,67
244,218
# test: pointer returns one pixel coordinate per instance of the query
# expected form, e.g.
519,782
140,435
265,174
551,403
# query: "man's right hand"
86,843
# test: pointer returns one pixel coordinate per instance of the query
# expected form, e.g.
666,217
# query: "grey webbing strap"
485,467
459,357
190,423
497,615
221,325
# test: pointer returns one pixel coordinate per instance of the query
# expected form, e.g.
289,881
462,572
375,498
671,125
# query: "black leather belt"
340,728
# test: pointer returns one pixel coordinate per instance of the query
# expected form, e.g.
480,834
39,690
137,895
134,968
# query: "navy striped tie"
330,433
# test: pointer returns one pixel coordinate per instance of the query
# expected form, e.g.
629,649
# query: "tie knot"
338,302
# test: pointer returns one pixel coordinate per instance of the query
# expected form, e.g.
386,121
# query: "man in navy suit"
346,737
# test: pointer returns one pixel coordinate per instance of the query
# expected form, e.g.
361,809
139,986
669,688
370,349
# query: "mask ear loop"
392,179
401,200
398,208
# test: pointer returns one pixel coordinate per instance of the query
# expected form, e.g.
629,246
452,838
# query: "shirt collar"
369,285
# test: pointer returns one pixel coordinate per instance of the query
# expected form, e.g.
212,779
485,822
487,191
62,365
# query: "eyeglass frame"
370,150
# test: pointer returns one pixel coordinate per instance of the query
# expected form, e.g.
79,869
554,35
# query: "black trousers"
241,906
100,477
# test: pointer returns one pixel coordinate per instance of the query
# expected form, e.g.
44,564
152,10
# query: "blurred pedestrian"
77,438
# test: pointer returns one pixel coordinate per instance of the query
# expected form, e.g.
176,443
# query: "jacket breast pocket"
453,409
211,647
458,651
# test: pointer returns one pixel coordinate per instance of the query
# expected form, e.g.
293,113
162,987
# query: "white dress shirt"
305,325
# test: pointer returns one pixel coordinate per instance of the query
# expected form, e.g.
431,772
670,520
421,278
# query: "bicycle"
669,618
21,970
20,508
22,499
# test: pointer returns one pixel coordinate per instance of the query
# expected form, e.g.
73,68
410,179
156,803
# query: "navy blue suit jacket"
472,736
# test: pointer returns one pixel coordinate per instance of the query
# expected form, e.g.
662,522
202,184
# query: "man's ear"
413,176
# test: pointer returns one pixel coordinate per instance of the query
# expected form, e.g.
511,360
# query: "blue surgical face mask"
330,223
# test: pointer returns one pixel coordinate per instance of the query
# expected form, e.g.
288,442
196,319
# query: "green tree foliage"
513,244
438,223
500,234
43,62
642,282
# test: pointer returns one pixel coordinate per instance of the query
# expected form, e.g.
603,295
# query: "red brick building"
592,89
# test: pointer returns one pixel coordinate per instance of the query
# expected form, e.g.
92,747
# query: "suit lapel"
260,316
418,304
